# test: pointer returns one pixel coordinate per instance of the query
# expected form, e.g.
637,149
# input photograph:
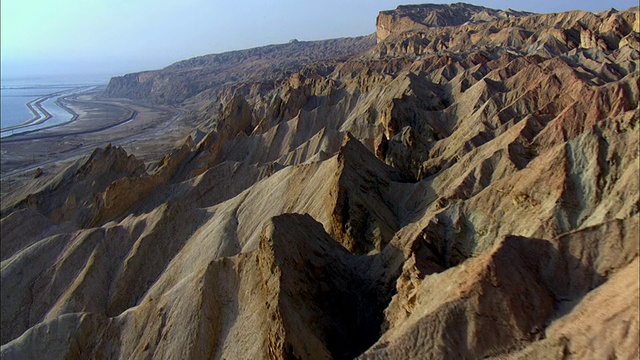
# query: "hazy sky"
111,37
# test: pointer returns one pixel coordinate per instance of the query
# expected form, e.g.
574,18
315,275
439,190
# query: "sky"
103,38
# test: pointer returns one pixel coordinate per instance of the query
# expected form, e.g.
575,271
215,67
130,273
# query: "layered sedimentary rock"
184,79
465,188
413,17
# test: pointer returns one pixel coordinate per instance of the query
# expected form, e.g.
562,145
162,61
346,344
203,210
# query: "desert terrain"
147,129
462,184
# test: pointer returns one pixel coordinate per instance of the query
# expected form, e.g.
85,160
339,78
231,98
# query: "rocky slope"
414,17
184,79
465,188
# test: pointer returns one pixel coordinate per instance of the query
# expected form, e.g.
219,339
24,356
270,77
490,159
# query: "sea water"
15,99
15,94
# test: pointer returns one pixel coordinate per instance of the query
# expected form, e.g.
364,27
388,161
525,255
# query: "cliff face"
403,33
188,78
455,191
414,17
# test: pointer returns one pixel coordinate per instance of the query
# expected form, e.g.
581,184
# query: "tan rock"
466,188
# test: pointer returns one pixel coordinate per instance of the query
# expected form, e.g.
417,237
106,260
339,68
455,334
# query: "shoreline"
146,130
42,115
121,121
37,110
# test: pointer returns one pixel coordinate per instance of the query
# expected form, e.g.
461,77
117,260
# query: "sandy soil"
144,130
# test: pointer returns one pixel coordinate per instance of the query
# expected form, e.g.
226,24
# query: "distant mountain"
187,78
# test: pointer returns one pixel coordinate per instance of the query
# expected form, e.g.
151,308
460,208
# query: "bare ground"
144,130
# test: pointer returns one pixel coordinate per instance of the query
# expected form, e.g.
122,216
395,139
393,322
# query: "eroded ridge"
466,187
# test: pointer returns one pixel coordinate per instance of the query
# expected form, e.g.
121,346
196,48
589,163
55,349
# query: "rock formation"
413,17
466,187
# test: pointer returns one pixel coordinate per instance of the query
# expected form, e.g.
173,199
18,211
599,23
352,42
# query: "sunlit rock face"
465,187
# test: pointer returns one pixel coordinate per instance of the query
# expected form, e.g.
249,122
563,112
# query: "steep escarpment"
413,17
465,188
185,79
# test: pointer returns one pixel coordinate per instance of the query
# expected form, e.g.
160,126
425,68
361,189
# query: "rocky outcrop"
467,189
413,17
70,196
505,298
418,30
186,79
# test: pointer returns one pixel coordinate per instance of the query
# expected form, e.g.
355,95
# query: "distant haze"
100,38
